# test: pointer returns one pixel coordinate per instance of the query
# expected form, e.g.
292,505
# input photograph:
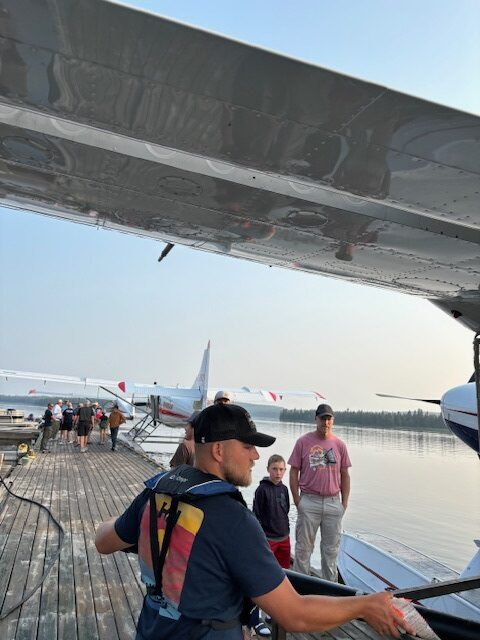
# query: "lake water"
420,488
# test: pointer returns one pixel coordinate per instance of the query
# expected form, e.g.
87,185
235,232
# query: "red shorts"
281,551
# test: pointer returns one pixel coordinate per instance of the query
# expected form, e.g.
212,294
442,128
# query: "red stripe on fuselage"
167,412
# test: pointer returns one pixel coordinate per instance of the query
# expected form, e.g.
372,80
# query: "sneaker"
83,450
268,619
113,448
262,630
45,451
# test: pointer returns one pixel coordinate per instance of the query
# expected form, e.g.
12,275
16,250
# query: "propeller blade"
430,400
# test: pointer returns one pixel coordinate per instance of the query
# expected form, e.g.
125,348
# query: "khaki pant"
46,435
314,512
55,428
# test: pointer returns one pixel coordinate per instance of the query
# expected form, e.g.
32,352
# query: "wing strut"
166,251
476,364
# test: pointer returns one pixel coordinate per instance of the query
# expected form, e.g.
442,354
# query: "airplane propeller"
430,400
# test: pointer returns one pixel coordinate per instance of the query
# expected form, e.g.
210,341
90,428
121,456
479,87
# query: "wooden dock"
86,596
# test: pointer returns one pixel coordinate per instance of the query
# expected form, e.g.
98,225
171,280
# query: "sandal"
262,630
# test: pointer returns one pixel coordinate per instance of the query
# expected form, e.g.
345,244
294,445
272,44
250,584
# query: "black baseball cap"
228,422
323,410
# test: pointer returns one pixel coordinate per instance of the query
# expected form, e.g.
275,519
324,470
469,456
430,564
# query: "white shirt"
57,412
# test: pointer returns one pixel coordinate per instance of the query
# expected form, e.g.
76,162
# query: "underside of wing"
52,377
119,119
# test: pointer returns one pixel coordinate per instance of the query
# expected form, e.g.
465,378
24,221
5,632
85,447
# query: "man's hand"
382,616
295,485
303,614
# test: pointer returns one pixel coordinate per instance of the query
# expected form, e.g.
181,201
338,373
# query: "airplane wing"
262,396
117,118
53,377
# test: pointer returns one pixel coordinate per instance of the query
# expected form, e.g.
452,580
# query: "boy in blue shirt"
271,505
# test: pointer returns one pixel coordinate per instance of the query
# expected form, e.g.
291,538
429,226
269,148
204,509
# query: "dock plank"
47,624
102,484
67,624
28,615
18,578
109,594
85,608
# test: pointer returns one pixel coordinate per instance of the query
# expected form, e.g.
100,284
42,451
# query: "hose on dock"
48,567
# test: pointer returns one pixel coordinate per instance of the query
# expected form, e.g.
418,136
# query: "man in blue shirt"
217,552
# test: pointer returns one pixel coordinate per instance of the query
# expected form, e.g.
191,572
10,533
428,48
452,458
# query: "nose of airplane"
459,411
460,399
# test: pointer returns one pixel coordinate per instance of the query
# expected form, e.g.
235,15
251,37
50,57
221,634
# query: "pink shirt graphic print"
320,462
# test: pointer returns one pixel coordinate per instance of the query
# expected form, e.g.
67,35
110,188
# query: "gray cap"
323,410
222,394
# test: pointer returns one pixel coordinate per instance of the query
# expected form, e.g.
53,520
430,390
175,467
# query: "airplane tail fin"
201,381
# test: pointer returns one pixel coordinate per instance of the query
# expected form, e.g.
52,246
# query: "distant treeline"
401,419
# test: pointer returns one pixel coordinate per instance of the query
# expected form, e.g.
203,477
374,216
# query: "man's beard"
235,476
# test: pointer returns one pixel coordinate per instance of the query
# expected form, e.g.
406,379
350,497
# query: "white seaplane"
170,405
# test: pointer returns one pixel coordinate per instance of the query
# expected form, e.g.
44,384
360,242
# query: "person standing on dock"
102,426
76,440
222,397
185,453
202,552
57,418
115,419
47,428
67,423
271,505
85,425
320,486
96,415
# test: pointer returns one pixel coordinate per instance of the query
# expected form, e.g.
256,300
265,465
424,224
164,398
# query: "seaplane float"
372,562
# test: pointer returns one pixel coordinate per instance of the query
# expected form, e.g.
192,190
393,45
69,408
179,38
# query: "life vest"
168,527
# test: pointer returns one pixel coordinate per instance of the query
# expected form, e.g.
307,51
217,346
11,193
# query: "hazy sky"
82,301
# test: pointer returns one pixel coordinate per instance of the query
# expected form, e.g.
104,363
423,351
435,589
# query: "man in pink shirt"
320,486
